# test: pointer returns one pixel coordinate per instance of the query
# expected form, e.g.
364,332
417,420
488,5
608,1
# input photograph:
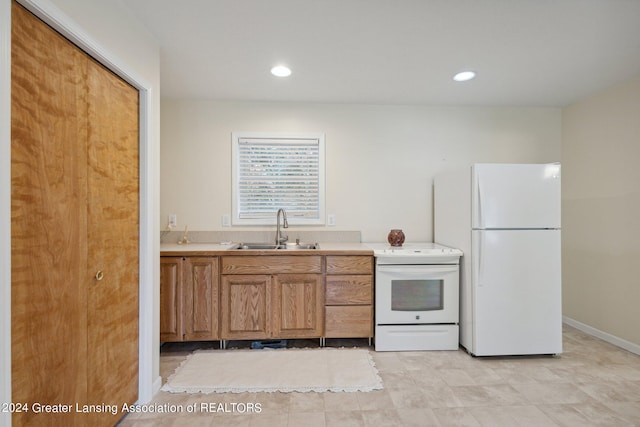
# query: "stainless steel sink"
272,246
258,246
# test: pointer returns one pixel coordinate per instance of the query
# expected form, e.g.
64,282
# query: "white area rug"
269,370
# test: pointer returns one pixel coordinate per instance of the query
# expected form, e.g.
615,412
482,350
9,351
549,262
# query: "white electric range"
416,297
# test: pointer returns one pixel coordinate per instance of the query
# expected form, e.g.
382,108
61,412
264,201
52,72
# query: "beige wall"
380,159
601,211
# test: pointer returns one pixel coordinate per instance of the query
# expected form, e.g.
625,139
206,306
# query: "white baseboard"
605,336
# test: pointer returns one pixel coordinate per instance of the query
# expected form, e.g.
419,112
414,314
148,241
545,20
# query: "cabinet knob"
99,275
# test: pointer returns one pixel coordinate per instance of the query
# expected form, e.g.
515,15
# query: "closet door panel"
74,214
48,219
113,227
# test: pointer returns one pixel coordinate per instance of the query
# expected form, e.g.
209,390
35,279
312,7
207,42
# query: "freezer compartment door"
517,306
515,196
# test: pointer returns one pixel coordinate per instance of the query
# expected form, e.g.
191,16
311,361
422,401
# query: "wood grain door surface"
113,237
297,306
74,212
171,299
246,306
201,299
48,220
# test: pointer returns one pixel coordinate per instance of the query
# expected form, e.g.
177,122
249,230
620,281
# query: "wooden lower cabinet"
349,297
171,301
266,297
285,303
245,307
189,299
297,300
271,306
349,321
201,299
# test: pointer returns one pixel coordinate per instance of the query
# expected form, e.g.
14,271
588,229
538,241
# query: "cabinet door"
246,307
171,299
298,306
201,299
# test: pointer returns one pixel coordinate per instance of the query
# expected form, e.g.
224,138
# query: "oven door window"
417,295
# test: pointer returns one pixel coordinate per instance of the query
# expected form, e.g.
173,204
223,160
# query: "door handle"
479,207
480,263
477,260
99,275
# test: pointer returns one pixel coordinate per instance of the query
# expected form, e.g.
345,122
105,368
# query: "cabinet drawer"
349,321
349,264
349,289
271,264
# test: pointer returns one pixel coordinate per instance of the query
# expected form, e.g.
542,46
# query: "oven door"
416,294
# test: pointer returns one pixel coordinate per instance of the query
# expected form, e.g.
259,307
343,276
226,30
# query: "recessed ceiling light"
463,76
281,71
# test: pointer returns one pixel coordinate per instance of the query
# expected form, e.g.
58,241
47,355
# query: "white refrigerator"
506,220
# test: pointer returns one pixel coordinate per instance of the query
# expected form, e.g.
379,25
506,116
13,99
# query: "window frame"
274,137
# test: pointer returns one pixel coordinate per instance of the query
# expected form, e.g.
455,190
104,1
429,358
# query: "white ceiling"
526,52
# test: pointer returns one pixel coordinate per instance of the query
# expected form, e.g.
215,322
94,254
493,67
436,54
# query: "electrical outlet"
226,221
331,220
173,221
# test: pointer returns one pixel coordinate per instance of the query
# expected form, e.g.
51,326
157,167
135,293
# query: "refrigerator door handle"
478,267
480,220
478,191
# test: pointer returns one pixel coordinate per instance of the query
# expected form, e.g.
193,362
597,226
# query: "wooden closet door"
48,221
113,228
74,213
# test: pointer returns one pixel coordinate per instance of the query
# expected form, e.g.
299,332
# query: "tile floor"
592,383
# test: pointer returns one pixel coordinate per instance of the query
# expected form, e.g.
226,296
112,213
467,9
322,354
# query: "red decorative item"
396,237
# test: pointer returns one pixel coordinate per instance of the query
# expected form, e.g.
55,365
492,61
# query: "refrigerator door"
516,288
515,196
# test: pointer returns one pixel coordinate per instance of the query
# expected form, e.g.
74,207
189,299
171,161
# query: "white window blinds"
278,172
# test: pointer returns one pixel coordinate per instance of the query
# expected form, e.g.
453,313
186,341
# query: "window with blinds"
278,171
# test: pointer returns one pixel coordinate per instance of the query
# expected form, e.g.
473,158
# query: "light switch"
331,220
226,221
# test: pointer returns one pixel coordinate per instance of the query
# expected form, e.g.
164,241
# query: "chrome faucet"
285,224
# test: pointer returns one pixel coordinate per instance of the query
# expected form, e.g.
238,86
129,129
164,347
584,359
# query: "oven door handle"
417,269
